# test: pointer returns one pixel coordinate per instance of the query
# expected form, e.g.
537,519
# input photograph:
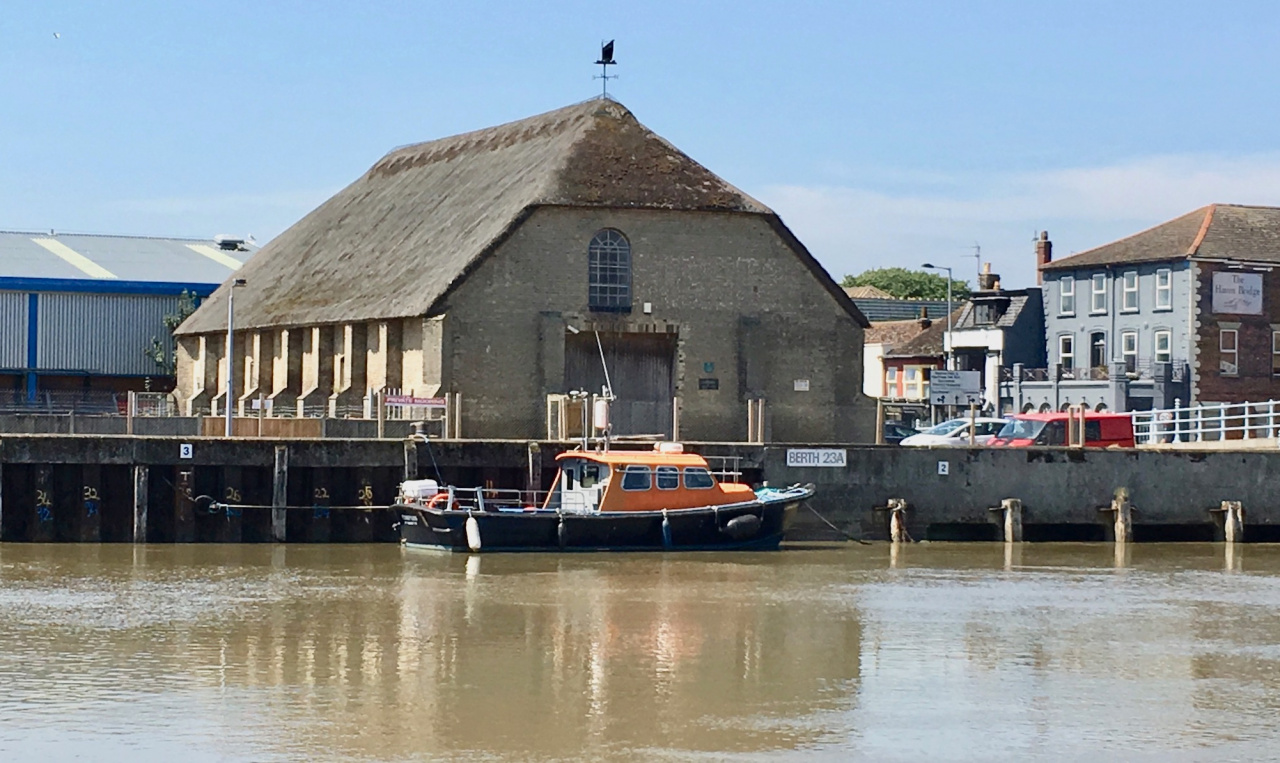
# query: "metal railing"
90,402
1207,423
481,499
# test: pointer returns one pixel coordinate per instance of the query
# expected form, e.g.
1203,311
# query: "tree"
909,284
168,362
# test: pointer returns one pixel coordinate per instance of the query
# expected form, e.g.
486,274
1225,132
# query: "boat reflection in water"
685,653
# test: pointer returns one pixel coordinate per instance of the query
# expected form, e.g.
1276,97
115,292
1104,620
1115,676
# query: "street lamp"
947,340
231,342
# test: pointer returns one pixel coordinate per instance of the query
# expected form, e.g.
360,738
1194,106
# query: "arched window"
609,272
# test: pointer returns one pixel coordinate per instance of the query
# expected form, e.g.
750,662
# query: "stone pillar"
196,375
317,370
1018,401
1162,393
385,359
349,379
1118,389
253,354
286,370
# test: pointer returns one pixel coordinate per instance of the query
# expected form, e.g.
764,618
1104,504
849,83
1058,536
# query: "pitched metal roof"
1218,231
106,259
398,239
893,309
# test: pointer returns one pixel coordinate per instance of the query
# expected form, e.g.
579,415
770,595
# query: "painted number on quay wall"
816,457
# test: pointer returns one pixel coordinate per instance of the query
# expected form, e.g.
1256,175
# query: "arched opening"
1100,407
1046,408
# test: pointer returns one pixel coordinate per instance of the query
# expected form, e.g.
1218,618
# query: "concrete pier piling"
1011,509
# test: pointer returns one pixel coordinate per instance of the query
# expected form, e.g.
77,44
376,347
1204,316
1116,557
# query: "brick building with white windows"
484,264
1187,311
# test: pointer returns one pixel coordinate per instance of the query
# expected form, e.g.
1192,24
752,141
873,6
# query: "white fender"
473,534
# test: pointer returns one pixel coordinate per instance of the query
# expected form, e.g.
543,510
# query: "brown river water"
940,652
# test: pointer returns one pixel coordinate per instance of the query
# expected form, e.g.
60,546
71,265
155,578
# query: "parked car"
1101,430
895,432
956,432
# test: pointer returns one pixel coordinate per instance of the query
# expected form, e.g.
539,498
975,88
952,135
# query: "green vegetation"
167,362
909,284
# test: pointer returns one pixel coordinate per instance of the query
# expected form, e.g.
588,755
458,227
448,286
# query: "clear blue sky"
884,133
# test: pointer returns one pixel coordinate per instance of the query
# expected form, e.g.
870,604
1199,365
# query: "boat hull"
758,525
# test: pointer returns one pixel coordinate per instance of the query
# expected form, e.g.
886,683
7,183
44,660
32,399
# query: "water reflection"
924,651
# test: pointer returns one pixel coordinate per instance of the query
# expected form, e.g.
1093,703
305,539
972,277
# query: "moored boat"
622,500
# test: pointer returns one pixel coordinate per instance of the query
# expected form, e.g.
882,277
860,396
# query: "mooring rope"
828,523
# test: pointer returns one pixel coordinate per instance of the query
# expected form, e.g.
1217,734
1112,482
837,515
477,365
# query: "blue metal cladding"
101,333
13,329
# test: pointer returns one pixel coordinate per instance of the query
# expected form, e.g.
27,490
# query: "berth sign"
829,457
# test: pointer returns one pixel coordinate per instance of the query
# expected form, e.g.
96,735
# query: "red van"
1101,430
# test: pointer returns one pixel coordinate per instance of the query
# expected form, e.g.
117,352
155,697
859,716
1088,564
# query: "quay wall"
93,488
1062,491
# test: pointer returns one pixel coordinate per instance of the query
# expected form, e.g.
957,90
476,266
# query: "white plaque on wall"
1237,293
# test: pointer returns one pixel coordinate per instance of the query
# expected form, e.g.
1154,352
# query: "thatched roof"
396,241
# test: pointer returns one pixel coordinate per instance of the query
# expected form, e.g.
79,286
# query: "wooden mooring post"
1012,508
280,495
1123,515
1232,521
898,520
141,477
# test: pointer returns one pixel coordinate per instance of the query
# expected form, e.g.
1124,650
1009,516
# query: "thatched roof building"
394,242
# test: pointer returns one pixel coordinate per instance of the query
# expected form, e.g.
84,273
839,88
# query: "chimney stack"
988,281
1044,254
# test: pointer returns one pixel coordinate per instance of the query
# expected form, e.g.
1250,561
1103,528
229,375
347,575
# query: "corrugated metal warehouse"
77,312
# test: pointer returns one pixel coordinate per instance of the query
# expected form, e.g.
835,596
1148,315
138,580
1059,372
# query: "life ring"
439,498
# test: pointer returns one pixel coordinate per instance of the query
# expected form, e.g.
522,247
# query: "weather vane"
606,60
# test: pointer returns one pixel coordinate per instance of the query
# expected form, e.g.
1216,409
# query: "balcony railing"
1134,369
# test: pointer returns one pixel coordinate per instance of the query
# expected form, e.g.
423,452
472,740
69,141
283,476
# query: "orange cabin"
638,481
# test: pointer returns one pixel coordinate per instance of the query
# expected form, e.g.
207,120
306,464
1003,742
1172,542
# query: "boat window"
668,478
697,478
637,478
590,475
569,473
